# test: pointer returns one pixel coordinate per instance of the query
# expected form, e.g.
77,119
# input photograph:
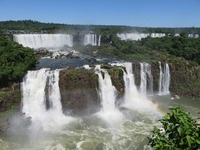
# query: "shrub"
179,132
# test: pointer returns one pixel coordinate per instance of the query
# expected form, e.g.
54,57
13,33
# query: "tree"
15,60
179,132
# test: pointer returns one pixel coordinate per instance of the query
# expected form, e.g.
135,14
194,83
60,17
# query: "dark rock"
78,88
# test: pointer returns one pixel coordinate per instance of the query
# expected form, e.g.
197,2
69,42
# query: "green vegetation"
179,131
35,26
15,60
105,30
146,49
188,48
168,49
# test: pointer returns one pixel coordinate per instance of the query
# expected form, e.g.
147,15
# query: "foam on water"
35,86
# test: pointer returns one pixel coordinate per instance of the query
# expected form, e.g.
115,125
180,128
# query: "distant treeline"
29,26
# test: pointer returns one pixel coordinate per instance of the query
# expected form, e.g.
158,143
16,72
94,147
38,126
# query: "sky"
143,13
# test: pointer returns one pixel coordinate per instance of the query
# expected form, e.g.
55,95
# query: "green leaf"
189,140
180,131
198,141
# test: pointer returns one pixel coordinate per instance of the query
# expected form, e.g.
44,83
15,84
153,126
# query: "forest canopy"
15,60
35,26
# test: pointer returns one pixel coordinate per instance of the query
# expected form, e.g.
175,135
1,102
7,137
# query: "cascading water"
135,100
107,94
138,36
146,83
33,88
48,41
99,40
167,79
54,92
164,80
92,39
132,98
132,36
40,88
129,81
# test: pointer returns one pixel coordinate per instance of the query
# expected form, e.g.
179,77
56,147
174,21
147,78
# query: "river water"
92,132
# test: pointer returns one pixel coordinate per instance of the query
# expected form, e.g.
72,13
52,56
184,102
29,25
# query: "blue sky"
146,13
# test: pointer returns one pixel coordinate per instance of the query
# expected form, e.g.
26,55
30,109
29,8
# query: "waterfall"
139,36
132,36
48,41
33,88
129,81
99,40
157,35
146,83
167,79
164,80
107,93
132,98
92,39
161,78
41,98
54,91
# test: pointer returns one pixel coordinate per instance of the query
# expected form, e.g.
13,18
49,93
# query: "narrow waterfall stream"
164,80
129,80
93,39
146,84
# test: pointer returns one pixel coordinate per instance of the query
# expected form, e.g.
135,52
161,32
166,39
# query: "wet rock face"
9,99
116,75
136,72
185,80
155,71
78,88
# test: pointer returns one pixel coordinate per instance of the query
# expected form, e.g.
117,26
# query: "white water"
92,39
132,36
129,81
164,80
138,36
87,67
133,99
34,99
157,35
107,93
191,35
99,40
48,41
146,79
